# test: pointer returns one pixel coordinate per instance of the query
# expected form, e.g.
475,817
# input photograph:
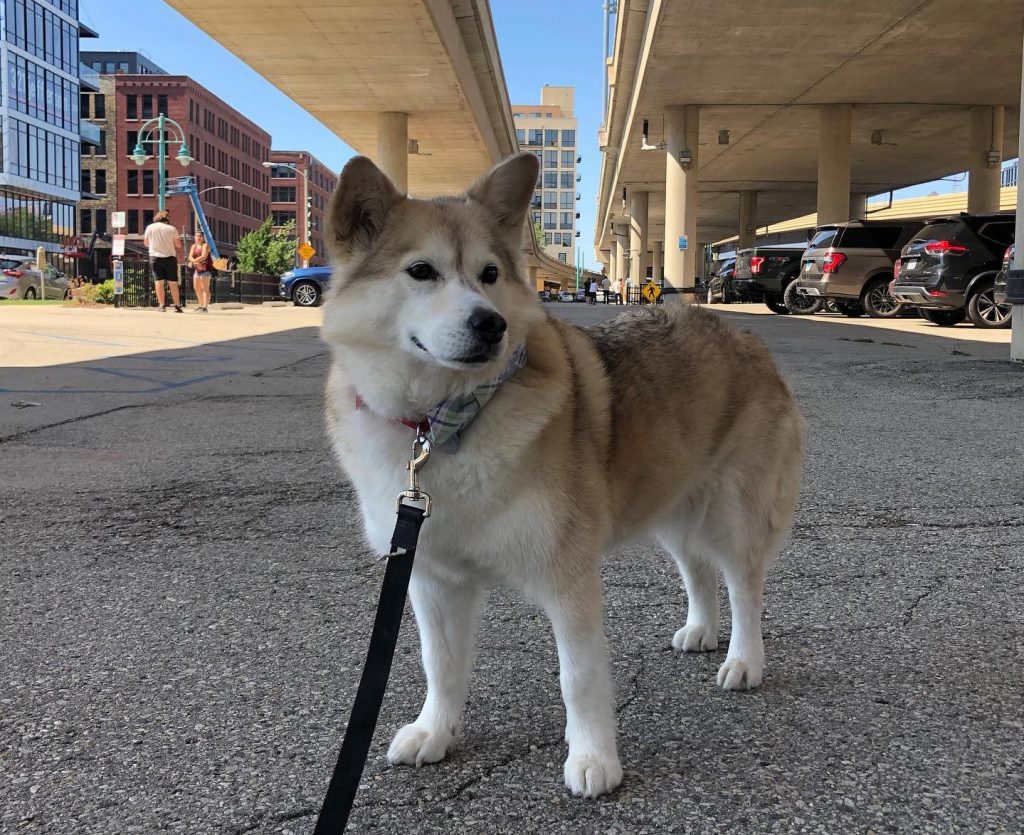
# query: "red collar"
423,425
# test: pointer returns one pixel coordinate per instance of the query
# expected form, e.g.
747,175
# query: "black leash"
341,792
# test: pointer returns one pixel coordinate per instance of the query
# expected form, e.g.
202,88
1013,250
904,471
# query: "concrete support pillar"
657,261
638,202
682,127
613,259
858,206
620,253
834,163
748,220
393,148
983,172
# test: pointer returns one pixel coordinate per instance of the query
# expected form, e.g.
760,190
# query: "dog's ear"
360,203
505,192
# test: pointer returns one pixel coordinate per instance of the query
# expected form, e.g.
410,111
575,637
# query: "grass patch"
27,302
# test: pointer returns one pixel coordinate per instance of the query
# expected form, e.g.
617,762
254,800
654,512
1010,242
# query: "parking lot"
186,601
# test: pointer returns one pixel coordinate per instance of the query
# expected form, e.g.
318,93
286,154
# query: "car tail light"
755,264
14,273
939,247
896,269
937,293
1007,257
832,262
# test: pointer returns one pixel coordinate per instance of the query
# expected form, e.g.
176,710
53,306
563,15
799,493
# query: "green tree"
266,250
538,233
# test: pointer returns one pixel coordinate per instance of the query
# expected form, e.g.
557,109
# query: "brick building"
289,192
228,150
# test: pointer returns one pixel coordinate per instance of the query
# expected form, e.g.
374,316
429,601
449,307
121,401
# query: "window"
161,104
282,172
569,138
282,194
550,179
568,159
83,102
133,181
133,221
551,159
534,136
99,106
86,181
131,107
147,106
101,184
547,239
101,150
565,199
101,221
551,137
85,221
565,180
561,257
280,218
565,220
549,220
147,217
148,188
869,237
550,199
1000,233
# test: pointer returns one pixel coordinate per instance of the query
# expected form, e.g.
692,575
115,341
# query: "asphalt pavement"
185,601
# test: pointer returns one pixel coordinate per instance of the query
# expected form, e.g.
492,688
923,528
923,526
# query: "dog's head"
435,284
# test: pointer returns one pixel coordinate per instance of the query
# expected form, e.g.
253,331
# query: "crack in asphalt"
908,615
264,819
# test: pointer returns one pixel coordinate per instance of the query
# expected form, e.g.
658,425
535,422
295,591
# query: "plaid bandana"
450,418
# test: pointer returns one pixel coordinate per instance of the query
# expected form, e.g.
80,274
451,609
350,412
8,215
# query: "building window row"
217,125
99,150
100,184
535,137
133,111
36,91
35,219
34,28
85,221
42,156
282,218
282,194
93,106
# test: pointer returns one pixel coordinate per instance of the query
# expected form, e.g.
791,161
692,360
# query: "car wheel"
878,302
775,304
30,292
800,305
306,294
943,318
853,310
985,313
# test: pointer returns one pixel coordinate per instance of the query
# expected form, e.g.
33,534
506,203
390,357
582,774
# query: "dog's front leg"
446,613
592,767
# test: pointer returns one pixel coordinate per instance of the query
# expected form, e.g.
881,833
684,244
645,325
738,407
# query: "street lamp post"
140,157
308,219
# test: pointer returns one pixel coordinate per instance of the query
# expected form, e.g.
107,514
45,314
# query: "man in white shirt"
164,248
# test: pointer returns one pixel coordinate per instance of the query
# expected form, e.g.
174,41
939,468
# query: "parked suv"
949,269
852,263
718,282
764,274
999,288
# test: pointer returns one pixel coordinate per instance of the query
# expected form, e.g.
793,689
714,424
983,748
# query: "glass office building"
41,130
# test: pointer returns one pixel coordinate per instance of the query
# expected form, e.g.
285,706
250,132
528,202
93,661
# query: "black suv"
999,288
763,274
949,269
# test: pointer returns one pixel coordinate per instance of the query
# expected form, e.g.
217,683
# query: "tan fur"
665,423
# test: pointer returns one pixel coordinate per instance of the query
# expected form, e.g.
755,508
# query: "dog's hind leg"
446,614
744,662
700,578
592,767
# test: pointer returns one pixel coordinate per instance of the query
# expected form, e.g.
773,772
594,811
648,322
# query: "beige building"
549,130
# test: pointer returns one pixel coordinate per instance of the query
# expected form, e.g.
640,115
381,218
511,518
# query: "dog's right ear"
360,203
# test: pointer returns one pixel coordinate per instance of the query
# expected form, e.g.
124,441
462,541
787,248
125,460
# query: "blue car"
305,286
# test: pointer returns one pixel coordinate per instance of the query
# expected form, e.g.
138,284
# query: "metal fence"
245,288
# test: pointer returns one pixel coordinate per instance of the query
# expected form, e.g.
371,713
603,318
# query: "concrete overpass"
759,112
417,85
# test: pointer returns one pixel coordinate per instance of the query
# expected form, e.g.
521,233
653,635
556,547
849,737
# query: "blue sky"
155,29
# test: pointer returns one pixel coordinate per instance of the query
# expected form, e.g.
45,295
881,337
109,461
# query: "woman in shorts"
200,259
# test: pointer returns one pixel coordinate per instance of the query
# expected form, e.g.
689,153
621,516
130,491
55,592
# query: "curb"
231,306
274,304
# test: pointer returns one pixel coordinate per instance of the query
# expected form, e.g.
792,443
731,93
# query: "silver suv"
851,263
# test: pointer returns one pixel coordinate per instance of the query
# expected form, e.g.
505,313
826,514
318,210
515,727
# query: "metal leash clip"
420,454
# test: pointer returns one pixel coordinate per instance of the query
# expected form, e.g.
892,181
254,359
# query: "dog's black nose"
488,324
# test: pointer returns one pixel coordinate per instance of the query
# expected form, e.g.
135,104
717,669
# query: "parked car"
566,296
305,286
720,275
764,274
999,287
20,278
949,269
852,263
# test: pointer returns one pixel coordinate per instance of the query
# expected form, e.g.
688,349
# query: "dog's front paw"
591,775
417,744
737,674
697,637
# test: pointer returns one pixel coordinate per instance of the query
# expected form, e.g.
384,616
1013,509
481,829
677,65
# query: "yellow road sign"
306,252
651,291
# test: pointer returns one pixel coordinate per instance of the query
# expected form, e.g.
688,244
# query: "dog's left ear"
505,192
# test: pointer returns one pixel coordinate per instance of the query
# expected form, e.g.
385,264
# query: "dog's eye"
422,271
489,274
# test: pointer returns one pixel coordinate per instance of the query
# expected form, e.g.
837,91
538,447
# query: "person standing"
164,245
201,261
606,285
593,291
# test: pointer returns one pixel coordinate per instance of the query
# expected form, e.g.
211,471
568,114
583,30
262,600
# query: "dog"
669,424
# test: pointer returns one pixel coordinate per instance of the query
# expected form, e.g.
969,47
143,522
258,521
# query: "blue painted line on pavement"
78,339
162,386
